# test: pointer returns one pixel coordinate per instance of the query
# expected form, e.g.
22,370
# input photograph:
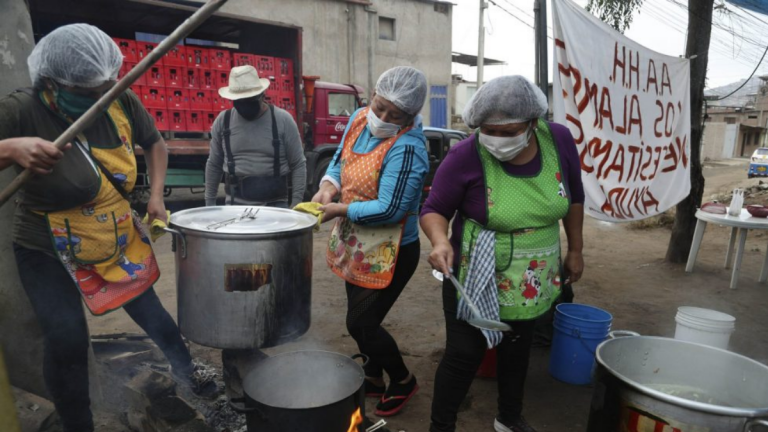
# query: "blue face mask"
73,104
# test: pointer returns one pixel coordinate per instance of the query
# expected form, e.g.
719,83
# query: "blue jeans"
58,307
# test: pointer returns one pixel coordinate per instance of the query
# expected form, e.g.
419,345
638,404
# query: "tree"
618,13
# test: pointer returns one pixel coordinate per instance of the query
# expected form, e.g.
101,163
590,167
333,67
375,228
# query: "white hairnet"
504,100
76,55
405,87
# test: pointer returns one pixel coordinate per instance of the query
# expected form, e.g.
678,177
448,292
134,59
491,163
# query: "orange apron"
363,255
102,244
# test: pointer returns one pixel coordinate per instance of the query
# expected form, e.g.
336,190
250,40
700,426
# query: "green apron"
525,213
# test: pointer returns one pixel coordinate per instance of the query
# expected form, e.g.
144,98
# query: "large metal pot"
243,275
306,391
659,384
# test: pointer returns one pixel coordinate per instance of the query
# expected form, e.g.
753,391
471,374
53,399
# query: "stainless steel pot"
243,275
654,384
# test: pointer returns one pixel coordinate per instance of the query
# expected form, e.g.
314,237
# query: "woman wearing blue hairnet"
75,236
507,188
379,170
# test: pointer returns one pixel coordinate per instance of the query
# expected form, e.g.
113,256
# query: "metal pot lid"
242,220
303,379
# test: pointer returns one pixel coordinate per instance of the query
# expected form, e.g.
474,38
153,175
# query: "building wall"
341,40
714,141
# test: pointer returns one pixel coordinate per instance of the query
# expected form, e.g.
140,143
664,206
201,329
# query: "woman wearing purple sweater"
507,187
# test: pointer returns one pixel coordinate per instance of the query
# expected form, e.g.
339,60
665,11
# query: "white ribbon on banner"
628,109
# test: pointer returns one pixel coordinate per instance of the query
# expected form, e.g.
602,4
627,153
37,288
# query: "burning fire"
355,421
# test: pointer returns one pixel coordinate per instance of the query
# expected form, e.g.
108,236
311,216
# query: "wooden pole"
106,100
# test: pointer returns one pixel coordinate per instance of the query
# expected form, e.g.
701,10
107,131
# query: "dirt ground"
625,274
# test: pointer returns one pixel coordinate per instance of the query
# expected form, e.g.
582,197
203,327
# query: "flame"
355,421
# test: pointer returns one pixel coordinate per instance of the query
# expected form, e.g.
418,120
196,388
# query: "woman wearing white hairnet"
507,187
379,170
75,236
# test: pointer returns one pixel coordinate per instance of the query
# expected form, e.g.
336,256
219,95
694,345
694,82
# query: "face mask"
505,148
73,104
379,128
249,108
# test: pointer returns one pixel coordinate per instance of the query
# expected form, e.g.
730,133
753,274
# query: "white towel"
481,287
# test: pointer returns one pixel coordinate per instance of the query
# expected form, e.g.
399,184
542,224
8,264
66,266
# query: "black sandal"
374,391
395,398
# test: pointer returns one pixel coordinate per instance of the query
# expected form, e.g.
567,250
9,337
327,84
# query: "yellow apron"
102,244
364,255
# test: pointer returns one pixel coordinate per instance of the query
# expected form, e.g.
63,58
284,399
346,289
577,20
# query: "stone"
171,409
148,386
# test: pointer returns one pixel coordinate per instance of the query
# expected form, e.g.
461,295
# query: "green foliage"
617,13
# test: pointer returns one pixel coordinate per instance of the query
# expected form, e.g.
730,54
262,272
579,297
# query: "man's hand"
156,209
36,154
333,210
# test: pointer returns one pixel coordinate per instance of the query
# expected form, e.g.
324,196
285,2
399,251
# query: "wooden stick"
106,100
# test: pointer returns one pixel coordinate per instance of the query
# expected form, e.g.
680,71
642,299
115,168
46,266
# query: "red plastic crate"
177,56
195,121
284,67
220,59
127,67
198,58
155,76
144,48
242,59
138,90
161,119
128,48
192,78
177,98
286,86
201,100
265,65
287,103
220,79
220,103
208,79
209,117
177,120
153,97
174,76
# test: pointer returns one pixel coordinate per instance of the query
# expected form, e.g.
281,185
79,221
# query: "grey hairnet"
504,100
405,87
76,55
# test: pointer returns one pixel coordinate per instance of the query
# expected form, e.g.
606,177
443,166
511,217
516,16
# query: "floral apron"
525,212
102,244
362,255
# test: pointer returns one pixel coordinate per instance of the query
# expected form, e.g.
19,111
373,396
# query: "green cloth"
74,181
525,212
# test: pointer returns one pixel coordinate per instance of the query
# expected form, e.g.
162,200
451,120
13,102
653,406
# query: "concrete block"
147,387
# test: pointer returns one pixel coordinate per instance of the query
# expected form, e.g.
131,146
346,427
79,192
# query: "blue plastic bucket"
579,329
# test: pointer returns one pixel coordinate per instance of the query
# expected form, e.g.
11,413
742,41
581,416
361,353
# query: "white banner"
628,109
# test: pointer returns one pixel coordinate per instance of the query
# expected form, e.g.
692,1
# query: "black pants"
464,352
367,308
57,303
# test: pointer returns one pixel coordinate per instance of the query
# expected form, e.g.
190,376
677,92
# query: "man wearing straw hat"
256,145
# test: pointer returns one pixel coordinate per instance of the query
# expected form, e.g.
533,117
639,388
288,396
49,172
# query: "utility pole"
542,57
481,44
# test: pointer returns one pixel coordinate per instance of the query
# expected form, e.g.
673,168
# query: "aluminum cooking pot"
659,384
243,275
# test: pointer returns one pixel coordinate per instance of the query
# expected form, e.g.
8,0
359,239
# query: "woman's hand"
156,209
441,257
574,266
333,210
325,194
35,154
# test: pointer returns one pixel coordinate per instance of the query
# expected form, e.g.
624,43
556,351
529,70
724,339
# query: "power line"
749,78
515,16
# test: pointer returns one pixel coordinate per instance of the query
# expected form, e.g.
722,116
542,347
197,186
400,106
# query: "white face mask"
379,128
506,148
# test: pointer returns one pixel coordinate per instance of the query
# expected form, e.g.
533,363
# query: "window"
341,104
386,28
435,148
730,120
762,151
752,116
454,139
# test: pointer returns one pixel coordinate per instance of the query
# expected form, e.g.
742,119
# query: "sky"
738,38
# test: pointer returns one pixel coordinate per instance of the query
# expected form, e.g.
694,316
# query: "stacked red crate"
242,59
220,59
174,76
198,57
177,56
128,49
285,79
209,79
178,121
210,117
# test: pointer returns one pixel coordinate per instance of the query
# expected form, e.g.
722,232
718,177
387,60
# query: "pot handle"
181,237
622,333
750,424
361,356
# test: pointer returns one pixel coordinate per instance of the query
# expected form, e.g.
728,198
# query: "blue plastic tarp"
759,6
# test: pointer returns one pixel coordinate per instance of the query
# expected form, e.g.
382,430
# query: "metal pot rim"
697,406
191,232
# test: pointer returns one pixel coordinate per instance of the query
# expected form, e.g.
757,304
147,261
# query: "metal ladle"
477,320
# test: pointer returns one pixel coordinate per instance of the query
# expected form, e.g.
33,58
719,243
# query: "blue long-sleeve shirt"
401,182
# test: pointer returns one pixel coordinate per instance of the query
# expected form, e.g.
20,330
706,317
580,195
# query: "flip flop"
395,398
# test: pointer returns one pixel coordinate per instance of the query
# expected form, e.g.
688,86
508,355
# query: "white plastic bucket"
704,326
